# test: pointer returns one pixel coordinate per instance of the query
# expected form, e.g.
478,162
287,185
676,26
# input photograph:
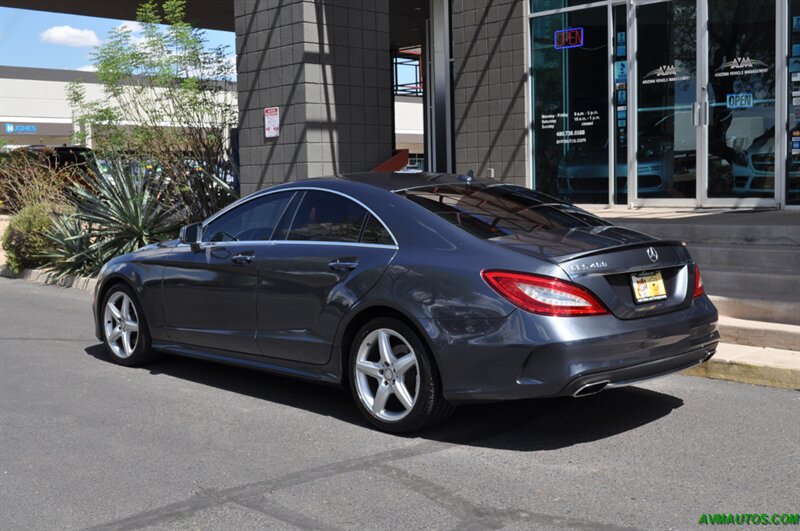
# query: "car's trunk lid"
603,259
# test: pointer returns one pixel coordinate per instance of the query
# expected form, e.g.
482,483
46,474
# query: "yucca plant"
74,250
126,210
116,214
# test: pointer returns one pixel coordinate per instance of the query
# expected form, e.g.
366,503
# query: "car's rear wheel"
394,379
125,331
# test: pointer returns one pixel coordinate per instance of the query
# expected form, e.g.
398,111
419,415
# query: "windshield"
498,210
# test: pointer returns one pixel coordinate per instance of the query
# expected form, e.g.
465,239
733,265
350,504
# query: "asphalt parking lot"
186,444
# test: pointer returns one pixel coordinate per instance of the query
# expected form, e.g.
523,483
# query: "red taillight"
543,295
698,282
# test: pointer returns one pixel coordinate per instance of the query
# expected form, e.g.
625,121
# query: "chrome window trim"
347,244
303,189
269,243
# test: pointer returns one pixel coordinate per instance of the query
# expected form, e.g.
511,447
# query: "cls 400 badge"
584,267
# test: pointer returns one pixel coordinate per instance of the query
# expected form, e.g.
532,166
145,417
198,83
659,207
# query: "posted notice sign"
272,120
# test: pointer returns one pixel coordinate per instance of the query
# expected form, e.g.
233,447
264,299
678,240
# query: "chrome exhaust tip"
591,388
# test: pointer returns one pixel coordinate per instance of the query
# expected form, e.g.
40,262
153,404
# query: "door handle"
343,264
243,258
700,112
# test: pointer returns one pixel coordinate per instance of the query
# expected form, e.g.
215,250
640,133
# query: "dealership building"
678,103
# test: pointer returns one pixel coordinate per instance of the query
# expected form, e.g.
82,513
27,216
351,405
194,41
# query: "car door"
209,290
324,260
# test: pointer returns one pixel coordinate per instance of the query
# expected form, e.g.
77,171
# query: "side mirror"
191,234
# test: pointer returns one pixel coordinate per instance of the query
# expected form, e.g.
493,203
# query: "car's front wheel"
394,379
125,331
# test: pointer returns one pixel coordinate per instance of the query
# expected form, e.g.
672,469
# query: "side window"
327,217
253,221
375,232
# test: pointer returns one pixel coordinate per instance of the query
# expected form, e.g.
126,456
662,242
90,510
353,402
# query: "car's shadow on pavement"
522,425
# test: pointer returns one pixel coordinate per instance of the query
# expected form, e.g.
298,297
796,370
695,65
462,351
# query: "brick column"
326,65
490,81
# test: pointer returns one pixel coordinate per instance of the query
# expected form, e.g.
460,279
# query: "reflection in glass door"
666,84
741,95
793,105
570,105
687,89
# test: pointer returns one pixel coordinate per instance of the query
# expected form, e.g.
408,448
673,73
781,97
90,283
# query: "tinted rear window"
327,217
499,210
375,232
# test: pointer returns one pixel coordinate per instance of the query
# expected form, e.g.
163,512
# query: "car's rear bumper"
526,356
638,373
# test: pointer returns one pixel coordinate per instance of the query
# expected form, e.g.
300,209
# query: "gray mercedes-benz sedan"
418,291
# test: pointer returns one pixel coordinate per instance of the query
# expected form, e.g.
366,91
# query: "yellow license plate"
648,286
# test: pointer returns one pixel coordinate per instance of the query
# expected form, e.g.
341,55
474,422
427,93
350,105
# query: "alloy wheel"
121,325
387,375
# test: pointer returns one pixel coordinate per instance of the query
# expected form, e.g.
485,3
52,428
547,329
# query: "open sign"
568,38
740,100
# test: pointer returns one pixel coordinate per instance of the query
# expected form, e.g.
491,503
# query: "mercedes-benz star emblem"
652,254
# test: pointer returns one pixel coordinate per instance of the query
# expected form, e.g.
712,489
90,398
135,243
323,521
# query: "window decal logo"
666,74
741,66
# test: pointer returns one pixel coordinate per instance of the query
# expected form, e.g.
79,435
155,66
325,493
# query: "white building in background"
34,109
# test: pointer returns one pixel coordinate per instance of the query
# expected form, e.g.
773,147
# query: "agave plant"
126,210
74,251
116,214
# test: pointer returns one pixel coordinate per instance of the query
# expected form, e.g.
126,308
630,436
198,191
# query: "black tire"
141,352
429,406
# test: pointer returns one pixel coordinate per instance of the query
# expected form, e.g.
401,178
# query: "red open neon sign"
568,38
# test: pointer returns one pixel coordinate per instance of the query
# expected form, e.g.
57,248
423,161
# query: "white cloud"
133,27
87,68
69,36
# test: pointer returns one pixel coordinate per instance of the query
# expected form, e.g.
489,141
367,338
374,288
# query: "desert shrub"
28,179
24,241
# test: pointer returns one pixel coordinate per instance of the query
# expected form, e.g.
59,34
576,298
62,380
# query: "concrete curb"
759,333
768,367
42,276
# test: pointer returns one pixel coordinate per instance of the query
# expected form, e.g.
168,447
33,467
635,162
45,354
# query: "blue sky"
53,40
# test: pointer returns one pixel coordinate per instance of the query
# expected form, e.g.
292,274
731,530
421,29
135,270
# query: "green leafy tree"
168,106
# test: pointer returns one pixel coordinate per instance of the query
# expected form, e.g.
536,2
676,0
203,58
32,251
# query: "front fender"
144,279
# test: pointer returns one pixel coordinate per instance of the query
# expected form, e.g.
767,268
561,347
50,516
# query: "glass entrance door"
665,100
705,103
741,100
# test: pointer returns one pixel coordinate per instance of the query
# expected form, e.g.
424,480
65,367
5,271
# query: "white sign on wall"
272,119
